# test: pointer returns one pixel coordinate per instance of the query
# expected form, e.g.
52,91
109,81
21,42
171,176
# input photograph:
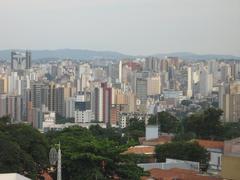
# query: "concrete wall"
232,146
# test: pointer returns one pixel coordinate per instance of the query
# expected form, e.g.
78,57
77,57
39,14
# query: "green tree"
14,159
190,151
135,129
32,142
167,122
110,133
87,157
5,120
205,125
27,146
231,130
184,136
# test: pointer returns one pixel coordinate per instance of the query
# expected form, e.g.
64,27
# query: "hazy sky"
128,26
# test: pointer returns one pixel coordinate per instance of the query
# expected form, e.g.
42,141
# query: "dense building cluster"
110,92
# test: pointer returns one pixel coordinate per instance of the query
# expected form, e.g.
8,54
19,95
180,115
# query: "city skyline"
130,27
131,89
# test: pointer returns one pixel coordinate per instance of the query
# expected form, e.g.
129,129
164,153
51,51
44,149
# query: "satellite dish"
53,156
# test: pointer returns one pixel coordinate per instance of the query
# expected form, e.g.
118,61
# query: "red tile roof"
211,144
158,141
178,174
141,150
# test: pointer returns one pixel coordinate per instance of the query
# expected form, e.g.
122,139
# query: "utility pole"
55,157
59,163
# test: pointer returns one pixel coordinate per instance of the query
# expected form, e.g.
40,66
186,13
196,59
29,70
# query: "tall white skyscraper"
189,85
120,71
20,60
205,83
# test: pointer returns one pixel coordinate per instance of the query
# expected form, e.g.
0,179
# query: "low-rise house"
215,149
148,151
177,174
162,139
171,163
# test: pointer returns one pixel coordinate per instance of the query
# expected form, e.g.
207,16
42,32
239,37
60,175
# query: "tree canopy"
231,130
190,151
23,149
206,125
134,130
85,156
113,134
167,122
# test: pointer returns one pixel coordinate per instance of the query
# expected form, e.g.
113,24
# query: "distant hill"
92,55
69,53
193,56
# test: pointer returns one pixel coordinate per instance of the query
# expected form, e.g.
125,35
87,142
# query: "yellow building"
231,166
231,102
118,97
153,85
131,101
3,84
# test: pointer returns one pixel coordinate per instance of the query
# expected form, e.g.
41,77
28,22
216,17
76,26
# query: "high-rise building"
115,109
113,72
51,96
1,86
97,103
152,64
118,97
36,94
107,102
69,107
205,83
101,102
189,83
13,82
131,102
15,108
84,69
3,83
83,112
69,90
231,102
153,86
164,65
59,101
20,60
225,73
38,104
120,71
141,89
37,118
164,80
3,105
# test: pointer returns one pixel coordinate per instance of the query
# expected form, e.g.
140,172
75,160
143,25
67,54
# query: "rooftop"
141,150
211,144
177,174
158,141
